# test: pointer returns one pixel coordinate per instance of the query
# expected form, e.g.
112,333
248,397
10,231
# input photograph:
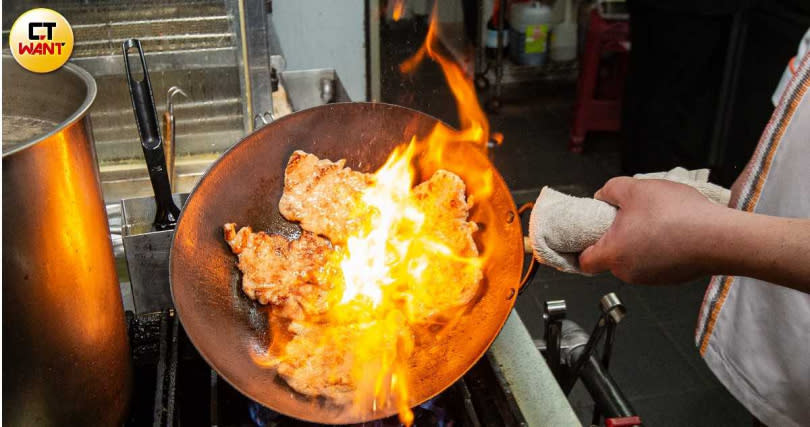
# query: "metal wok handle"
146,118
527,248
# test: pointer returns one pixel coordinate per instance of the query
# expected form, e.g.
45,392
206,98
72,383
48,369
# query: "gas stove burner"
174,386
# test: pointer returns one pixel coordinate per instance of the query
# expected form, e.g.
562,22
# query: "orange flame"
399,7
397,274
394,281
474,123
392,270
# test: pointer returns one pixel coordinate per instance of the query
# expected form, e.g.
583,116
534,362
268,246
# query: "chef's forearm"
768,248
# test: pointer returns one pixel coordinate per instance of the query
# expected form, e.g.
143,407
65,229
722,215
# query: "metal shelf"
564,72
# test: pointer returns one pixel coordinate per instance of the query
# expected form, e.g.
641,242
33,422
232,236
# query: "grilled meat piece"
323,196
316,362
441,199
291,275
324,359
321,357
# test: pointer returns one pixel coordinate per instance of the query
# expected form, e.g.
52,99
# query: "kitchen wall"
325,34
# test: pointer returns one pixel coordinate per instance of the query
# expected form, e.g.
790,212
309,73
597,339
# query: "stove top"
174,386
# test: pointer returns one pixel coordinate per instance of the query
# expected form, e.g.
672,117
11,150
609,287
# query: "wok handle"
146,118
532,270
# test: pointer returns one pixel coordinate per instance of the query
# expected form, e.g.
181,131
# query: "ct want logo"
32,26
41,40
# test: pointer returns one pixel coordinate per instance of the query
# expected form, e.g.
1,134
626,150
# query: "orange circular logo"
41,40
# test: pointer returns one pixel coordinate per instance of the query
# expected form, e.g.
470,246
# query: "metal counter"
536,392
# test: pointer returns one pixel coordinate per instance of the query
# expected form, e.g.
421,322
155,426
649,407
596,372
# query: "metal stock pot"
65,350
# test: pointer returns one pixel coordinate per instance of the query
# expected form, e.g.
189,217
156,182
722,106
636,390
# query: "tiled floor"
655,361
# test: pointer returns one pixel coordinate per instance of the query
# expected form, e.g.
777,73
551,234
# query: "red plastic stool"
601,79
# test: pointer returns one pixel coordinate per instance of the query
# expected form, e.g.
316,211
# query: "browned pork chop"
296,276
323,196
316,362
287,274
442,200
323,359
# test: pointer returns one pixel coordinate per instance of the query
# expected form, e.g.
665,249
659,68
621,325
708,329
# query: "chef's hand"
657,235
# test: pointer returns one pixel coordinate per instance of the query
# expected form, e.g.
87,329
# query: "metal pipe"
607,351
577,363
553,315
607,396
169,148
479,42
609,399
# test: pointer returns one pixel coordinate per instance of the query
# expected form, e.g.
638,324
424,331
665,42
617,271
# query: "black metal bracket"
613,311
166,376
553,315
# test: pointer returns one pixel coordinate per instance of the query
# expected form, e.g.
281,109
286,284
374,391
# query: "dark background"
701,79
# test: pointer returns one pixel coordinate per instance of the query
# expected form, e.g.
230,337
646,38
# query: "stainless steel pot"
65,350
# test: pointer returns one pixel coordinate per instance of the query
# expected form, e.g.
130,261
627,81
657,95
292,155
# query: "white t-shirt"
754,335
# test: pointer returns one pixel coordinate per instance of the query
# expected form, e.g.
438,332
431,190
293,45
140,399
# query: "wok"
245,185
